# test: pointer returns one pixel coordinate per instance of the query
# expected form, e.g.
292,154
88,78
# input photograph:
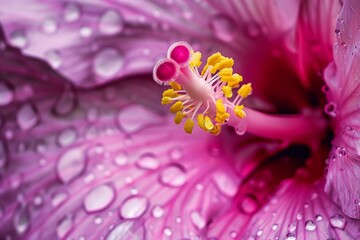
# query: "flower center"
213,97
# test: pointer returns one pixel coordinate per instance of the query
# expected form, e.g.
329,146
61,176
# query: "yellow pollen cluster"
212,113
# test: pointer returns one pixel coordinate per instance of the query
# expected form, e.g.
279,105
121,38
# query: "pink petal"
342,79
297,211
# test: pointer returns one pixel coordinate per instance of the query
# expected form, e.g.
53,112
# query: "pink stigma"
165,71
180,52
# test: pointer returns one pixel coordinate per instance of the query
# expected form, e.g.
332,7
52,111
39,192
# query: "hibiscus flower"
87,151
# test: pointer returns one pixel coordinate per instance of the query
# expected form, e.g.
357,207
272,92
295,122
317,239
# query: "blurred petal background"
88,152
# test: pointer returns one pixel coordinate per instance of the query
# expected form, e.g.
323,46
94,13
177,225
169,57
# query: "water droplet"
86,32
299,216
259,233
173,175
98,220
330,109
167,232
349,130
337,31
310,225
99,198
71,12
67,137
54,58
233,234
27,116
253,29
66,103
135,118
108,62
318,218
158,212
241,127
58,198
198,221
225,184
21,219
64,226
71,164
223,27
111,22
249,204
121,158
127,230
341,151
338,221
357,201
290,236
275,227
50,25
176,154
134,207
343,44
6,94
148,161
38,200
18,39
292,227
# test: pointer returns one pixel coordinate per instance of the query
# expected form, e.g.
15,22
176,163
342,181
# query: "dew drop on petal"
134,207
290,236
18,39
275,227
223,27
173,175
158,212
310,225
27,117
225,184
66,103
58,198
6,94
71,164
98,220
99,198
71,12
108,62
64,226
67,137
338,221
330,109
21,219
86,32
249,204
111,22
167,232
292,227
50,25
121,158
127,230
54,58
135,118
318,218
241,128
148,161
198,221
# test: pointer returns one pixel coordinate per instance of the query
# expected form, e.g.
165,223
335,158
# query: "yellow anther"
170,93
214,59
239,111
166,100
221,117
216,130
189,125
224,63
225,72
178,106
220,107
227,90
175,86
201,121
209,125
235,81
245,90
195,60
179,117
